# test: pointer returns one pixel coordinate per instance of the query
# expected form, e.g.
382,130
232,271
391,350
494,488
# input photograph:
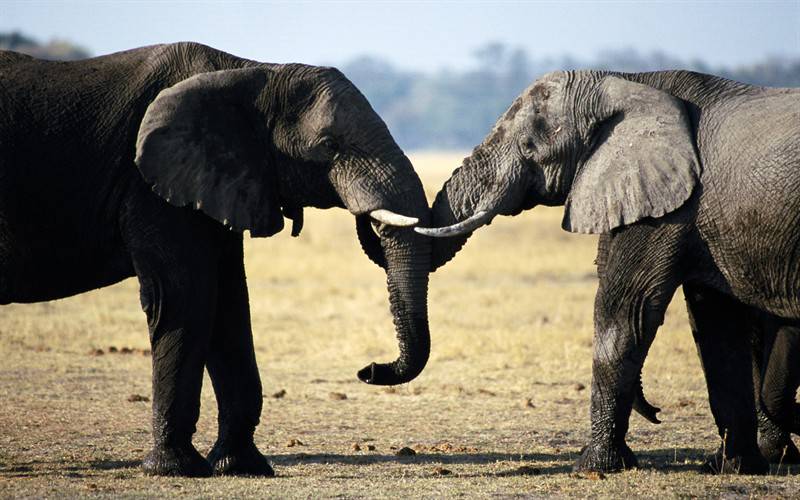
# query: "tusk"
392,219
477,220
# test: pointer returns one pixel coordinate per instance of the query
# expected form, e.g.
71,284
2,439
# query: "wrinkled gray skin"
151,163
692,180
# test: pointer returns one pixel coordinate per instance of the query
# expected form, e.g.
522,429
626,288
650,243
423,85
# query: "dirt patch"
444,448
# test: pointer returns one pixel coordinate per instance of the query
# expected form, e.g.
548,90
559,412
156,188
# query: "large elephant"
151,162
691,180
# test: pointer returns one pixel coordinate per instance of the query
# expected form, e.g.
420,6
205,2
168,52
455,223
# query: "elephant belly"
749,213
759,259
768,281
34,271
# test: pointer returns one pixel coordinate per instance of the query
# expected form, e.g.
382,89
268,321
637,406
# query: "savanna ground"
501,409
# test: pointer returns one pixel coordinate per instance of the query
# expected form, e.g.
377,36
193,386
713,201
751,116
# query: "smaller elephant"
776,369
152,163
776,374
775,365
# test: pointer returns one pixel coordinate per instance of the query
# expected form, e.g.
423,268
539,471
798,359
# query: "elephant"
689,179
776,374
776,366
776,370
152,163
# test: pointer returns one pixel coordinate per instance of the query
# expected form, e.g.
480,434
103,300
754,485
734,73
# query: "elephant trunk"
391,207
407,261
451,206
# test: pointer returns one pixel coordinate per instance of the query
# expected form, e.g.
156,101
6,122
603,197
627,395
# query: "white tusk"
392,219
477,220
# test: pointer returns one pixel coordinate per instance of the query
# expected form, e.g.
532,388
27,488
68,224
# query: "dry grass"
500,405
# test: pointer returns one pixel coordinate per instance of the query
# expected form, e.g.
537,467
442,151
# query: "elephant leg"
795,425
234,374
720,328
777,408
619,354
179,313
635,289
175,255
774,443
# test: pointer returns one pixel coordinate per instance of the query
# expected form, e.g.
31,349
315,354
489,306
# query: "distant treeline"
57,50
454,109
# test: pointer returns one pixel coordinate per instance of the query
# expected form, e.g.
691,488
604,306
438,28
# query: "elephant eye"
528,146
330,144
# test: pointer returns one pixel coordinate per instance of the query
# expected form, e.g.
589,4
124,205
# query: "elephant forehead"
535,99
546,90
553,77
518,116
338,108
321,115
507,126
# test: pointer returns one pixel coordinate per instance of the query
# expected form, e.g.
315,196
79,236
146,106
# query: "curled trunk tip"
389,373
415,349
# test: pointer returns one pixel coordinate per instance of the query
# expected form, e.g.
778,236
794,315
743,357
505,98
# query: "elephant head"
612,150
249,146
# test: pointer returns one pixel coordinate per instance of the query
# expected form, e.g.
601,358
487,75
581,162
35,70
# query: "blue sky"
420,35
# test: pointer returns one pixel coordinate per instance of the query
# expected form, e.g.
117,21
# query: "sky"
418,35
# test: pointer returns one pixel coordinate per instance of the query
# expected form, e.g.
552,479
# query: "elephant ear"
644,163
201,144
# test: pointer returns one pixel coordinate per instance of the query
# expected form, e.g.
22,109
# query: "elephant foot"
605,458
779,449
243,460
753,463
176,461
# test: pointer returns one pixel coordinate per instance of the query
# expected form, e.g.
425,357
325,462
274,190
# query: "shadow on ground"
661,460
36,468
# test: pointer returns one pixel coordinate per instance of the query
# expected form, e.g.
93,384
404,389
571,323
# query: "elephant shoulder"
9,58
185,59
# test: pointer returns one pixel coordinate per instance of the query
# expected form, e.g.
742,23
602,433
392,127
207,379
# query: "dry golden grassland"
501,409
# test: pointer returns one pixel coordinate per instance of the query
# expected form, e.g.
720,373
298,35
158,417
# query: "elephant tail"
642,406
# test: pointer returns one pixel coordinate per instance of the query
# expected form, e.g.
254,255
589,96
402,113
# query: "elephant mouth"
518,209
528,202
515,211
